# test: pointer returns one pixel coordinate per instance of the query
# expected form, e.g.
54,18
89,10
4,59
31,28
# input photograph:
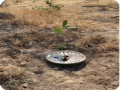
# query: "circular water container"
73,57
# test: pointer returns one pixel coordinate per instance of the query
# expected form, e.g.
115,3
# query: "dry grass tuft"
38,18
4,15
111,47
98,43
94,39
11,76
98,39
75,16
113,5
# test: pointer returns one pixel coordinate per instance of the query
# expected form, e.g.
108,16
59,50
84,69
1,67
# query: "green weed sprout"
39,8
52,5
62,47
58,7
49,3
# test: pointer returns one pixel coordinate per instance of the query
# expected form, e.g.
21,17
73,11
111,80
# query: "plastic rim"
74,57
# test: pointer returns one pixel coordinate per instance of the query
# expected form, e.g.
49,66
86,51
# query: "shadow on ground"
76,67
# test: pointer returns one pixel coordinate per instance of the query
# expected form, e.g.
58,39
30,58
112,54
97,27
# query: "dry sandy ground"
24,67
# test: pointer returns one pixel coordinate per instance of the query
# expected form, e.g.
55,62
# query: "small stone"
38,71
55,68
25,85
22,64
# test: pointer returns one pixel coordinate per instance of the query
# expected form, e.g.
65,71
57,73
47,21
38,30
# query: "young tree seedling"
60,30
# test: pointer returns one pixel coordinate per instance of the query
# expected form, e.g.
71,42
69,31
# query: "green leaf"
57,29
71,27
62,47
61,31
33,7
64,24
